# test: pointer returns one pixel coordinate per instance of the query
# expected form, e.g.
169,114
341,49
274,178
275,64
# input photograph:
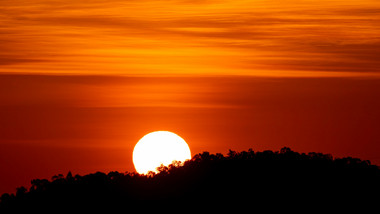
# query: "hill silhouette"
248,177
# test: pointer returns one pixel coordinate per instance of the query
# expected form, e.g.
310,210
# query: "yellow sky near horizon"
153,37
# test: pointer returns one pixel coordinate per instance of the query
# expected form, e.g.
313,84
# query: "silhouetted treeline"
251,178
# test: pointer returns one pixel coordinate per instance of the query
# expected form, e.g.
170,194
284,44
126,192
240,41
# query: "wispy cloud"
264,38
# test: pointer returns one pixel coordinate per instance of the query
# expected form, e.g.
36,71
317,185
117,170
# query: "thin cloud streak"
259,38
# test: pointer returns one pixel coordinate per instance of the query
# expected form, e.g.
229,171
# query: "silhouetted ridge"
253,177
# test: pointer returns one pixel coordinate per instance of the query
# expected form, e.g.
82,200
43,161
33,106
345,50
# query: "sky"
82,81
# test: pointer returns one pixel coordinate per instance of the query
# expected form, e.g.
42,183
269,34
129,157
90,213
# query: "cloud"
189,37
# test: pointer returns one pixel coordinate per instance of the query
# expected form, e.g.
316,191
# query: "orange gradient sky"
155,37
82,81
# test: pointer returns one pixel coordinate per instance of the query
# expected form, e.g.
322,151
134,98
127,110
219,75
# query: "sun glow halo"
160,147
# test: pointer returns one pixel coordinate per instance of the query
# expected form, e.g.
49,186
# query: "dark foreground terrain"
248,178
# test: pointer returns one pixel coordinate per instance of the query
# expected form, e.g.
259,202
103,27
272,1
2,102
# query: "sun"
159,147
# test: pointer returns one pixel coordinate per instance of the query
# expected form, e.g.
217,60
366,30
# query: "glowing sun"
160,147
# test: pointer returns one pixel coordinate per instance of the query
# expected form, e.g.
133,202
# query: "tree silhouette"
279,177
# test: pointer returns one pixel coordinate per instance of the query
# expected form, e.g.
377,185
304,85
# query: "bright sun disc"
160,147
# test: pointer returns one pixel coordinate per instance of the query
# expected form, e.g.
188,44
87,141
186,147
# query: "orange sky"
82,81
156,37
